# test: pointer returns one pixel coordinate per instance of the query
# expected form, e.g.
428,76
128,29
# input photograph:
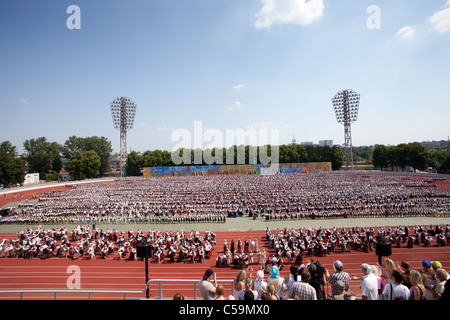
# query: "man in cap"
340,287
338,275
206,287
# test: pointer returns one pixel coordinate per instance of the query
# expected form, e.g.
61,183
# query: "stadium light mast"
123,111
346,106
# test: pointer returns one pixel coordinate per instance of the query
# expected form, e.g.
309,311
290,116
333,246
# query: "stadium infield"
114,274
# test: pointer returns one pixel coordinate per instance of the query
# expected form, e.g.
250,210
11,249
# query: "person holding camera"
317,281
207,285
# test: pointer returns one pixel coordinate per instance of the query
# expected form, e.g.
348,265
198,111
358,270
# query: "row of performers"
240,260
175,252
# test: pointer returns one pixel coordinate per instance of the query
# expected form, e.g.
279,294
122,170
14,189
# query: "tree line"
87,158
412,154
90,157
235,155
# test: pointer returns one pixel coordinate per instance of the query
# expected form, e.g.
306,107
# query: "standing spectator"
206,288
417,291
445,296
390,267
405,269
219,292
376,270
340,288
239,283
317,272
438,289
178,296
260,284
277,281
369,285
293,277
271,293
338,275
396,290
248,287
249,295
303,289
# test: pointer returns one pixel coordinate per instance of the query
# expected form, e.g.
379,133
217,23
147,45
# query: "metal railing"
120,292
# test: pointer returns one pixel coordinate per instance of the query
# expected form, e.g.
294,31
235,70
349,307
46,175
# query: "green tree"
302,153
417,155
84,164
336,158
379,158
42,155
289,154
134,164
101,145
313,154
12,167
391,156
444,166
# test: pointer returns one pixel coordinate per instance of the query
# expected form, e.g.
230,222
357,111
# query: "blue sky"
231,64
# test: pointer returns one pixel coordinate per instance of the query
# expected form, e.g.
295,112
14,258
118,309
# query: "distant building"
326,143
307,143
294,142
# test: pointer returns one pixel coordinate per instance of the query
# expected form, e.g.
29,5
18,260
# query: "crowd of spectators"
215,198
427,283
308,280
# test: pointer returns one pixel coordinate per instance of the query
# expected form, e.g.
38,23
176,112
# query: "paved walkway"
245,223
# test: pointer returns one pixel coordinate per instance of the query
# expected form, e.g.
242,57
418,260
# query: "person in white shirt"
260,284
396,290
369,285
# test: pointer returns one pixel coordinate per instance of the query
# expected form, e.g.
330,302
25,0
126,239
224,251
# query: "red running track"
112,274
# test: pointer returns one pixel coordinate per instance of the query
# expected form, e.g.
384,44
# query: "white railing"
120,292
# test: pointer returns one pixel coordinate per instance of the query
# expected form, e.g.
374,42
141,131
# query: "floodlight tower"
123,111
346,106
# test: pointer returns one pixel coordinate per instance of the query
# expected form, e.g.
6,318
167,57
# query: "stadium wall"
258,169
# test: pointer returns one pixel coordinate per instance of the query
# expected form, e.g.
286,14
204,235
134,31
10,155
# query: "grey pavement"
246,224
